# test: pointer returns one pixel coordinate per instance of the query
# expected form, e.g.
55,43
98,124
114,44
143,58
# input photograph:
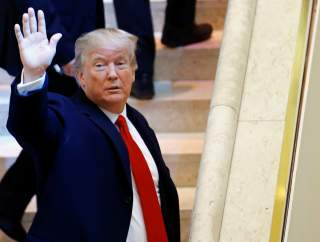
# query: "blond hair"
116,38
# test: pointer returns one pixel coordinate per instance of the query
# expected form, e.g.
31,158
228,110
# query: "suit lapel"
91,110
146,135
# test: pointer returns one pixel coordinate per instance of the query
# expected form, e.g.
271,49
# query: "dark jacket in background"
69,17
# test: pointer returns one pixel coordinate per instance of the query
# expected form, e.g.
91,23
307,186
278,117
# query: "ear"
81,79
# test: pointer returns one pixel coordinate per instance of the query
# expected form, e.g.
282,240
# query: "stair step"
207,11
192,62
174,147
181,106
203,60
186,198
6,79
181,151
182,154
9,148
5,88
185,214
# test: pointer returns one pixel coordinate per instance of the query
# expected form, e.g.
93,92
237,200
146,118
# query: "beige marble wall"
250,197
253,176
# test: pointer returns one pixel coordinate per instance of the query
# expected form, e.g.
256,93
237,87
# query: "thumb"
54,40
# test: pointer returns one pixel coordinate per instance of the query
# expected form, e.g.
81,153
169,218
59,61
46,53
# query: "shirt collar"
114,116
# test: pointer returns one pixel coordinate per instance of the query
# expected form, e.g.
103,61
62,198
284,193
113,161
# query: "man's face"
106,78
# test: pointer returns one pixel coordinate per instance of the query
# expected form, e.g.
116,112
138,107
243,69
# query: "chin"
116,97
114,104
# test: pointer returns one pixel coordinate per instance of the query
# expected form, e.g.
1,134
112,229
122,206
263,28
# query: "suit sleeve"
65,48
34,125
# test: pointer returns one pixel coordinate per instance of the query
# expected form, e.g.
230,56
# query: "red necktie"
151,210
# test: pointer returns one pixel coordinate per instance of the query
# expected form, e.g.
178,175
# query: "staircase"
178,113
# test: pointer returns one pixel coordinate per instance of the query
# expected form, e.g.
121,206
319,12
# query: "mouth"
113,89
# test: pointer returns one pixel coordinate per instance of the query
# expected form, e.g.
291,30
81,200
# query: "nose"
112,73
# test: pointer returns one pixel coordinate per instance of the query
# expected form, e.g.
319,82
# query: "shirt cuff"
24,88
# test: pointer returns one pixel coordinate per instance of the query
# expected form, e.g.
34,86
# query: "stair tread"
165,90
186,200
9,147
4,88
213,43
179,91
181,143
6,79
170,143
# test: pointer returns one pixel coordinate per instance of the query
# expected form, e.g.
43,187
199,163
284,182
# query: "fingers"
54,40
41,22
32,20
18,33
29,24
25,25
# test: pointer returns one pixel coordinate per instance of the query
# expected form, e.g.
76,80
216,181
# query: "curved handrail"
222,122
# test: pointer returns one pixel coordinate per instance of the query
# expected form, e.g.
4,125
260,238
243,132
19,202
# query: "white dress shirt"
137,230
25,88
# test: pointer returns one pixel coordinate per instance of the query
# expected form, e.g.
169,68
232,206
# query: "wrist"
30,75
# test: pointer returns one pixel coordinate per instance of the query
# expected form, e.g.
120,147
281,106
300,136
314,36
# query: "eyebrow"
101,57
97,58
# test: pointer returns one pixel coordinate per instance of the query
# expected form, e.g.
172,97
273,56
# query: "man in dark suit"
96,158
71,18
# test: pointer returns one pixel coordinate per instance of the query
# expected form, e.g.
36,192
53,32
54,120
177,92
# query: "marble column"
222,122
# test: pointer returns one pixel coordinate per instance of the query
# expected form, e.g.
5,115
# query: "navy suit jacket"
69,17
85,190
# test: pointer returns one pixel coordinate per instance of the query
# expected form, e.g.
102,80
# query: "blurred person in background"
179,29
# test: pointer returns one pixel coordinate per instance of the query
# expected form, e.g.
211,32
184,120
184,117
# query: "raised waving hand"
36,51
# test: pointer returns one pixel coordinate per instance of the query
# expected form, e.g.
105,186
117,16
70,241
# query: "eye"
121,64
99,66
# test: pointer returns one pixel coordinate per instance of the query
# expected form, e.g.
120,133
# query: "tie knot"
121,122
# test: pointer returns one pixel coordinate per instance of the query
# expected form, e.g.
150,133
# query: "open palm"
36,52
